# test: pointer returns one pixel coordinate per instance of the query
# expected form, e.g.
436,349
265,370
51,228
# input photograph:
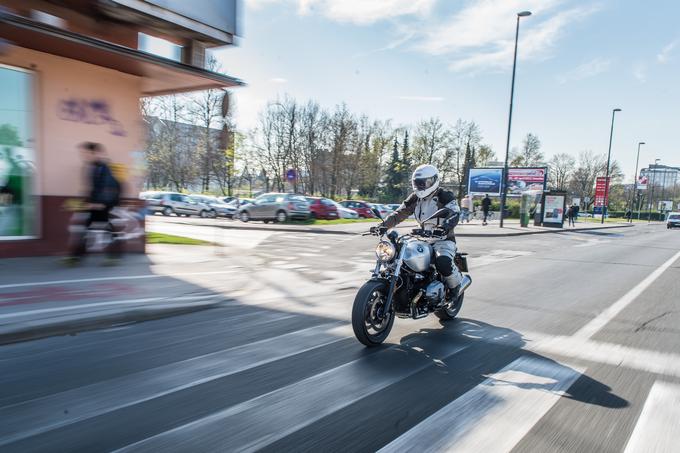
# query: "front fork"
393,283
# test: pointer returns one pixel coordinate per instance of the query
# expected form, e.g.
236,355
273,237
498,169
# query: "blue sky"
412,59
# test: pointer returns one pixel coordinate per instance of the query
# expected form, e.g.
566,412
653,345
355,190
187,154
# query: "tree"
589,167
9,135
485,155
560,168
529,155
393,175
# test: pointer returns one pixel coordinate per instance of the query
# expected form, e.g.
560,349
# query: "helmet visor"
424,183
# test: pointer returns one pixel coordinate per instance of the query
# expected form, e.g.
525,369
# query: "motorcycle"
405,283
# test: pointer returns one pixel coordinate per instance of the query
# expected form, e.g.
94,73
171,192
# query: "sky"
409,60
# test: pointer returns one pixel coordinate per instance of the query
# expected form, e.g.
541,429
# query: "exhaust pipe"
467,281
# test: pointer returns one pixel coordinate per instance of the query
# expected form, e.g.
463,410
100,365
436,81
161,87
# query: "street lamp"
605,203
512,95
651,195
635,182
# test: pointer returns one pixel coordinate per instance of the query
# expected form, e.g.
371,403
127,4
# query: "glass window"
327,202
18,205
176,197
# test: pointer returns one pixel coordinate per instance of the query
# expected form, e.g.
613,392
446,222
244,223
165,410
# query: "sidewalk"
39,297
473,229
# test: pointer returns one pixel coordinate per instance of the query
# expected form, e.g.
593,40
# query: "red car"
322,208
361,207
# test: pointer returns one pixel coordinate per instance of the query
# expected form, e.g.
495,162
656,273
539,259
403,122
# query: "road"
566,342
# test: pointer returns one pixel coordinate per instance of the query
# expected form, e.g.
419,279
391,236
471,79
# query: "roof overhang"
159,75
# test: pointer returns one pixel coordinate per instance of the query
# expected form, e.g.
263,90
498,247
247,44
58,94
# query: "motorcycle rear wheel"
369,328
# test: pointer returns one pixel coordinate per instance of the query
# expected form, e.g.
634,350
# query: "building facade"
72,71
661,175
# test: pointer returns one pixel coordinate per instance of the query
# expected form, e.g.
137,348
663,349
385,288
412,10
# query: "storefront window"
18,209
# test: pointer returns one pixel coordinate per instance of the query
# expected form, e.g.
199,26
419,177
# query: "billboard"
484,181
642,183
523,179
553,210
601,191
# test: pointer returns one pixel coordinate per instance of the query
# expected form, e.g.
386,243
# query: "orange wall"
60,80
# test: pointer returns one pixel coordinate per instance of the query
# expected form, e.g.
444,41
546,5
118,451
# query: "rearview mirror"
442,213
377,213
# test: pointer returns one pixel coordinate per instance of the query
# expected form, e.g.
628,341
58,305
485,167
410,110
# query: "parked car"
277,207
345,213
217,206
393,206
361,207
227,199
322,208
673,220
382,209
168,203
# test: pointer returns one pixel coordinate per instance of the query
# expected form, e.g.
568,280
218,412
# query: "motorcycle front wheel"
369,327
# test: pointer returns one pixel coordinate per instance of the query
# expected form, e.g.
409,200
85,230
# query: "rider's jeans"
448,248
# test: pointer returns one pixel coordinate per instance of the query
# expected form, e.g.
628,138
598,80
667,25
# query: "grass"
329,222
161,238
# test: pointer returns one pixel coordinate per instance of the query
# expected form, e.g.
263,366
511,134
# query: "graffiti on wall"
90,111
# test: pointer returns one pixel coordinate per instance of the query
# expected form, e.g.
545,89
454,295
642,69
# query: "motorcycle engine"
435,293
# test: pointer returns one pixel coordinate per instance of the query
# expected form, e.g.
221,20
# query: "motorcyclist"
426,199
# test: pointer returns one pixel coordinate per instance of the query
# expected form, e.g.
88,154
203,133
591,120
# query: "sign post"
601,194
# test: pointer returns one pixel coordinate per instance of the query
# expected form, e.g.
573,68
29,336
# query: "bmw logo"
420,249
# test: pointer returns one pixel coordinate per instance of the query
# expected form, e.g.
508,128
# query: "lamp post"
635,181
651,195
605,204
512,95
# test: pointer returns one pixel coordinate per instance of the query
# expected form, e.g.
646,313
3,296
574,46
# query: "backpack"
109,188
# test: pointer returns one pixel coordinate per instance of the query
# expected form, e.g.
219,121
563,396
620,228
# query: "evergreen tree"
405,166
392,190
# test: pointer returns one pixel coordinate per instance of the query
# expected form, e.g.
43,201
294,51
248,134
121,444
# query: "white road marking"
495,256
496,414
261,421
658,427
32,417
608,353
106,279
613,310
168,299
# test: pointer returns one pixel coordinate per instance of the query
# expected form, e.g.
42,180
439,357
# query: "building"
661,175
73,71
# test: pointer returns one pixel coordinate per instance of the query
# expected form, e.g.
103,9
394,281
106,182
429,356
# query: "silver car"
168,203
277,207
218,208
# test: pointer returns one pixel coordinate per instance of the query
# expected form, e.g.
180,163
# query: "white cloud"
586,70
421,98
278,80
364,12
665,54
640,72
481,35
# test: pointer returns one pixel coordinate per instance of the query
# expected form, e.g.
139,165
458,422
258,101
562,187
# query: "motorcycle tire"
450,311
363,314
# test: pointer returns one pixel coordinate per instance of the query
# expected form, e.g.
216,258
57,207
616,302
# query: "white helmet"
425,180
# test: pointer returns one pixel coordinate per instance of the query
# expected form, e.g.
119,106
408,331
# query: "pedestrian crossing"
485,390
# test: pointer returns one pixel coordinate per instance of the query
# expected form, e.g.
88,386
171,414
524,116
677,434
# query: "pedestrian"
629,215
571,215
486,205
466,208
103,194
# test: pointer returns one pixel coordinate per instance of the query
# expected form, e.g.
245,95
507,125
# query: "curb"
32,330
316,230
526,233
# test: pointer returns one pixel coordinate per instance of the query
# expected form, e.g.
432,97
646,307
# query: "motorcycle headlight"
385,251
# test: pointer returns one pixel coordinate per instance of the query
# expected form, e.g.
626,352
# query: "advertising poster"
524,179
600,191
17,203
554,209
642,183
485,181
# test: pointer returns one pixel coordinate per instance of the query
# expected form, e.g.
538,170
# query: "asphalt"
566,342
